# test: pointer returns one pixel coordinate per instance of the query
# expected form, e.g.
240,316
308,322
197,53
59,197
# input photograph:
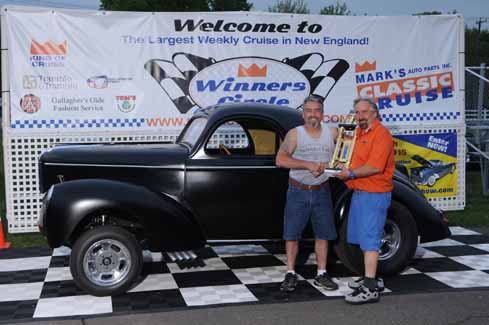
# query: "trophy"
344,145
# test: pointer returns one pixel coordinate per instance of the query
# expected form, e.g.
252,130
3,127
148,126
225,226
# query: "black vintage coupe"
218,181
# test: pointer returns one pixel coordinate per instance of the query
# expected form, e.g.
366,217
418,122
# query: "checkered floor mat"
37,283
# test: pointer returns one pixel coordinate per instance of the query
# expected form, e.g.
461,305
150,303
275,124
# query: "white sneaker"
362,295
355,284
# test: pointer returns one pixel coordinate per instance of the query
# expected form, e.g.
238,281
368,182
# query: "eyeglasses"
314,98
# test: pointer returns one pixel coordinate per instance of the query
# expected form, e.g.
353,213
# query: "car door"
233,185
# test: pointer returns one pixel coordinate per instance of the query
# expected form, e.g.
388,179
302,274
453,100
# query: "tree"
290,6
471,55
427,13
339,9
226,5
175,5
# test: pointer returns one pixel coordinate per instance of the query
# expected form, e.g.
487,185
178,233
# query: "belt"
295,183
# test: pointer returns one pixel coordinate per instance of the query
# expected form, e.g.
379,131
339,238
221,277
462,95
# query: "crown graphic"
366,66
48,48
252,71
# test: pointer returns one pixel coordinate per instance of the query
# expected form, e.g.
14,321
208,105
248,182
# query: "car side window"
244,138
228,136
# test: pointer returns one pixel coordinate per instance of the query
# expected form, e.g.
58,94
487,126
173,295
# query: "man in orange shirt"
370,177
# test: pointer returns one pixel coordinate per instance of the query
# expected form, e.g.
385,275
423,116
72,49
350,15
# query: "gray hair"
372,103
315,99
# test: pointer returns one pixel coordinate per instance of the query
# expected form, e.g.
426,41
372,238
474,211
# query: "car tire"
452,169
431,180
106,261
395,252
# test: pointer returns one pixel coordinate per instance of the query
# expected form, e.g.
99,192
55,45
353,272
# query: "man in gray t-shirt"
306,151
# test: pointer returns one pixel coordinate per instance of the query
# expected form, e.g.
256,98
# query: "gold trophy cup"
344,145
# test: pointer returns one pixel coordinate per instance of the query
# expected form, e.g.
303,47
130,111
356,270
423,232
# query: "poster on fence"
431,161
90,71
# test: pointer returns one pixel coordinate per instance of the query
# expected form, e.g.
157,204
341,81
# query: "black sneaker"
355,284
289,283
362,295
324,281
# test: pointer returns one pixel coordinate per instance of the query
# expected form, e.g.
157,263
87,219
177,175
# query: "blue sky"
470,9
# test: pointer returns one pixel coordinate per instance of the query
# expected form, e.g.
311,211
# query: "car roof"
286,117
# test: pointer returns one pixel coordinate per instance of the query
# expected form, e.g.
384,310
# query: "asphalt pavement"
461,307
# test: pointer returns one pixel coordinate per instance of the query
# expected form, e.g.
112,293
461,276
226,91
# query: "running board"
182,256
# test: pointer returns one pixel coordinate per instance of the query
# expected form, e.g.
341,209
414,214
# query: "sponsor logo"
401,86
126,103
48,54
366,66
102,82
191,81
48,48
30,103
77,104
48,82
252,71
254,80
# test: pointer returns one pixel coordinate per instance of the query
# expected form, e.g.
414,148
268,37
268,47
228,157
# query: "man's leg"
321,250
371,258
291,248
290,281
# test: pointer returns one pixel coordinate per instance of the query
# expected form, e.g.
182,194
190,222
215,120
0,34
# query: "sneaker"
324,281
355,284
362,295
289,283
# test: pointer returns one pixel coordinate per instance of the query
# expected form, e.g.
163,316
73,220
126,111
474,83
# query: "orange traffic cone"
3,243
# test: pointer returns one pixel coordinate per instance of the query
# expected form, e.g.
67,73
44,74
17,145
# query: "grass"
476,213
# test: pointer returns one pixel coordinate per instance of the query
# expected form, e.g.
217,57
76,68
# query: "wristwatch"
350,174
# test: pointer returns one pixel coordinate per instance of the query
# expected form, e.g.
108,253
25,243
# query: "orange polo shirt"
375,148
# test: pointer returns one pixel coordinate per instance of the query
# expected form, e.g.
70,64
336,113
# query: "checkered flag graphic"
174,76
322,75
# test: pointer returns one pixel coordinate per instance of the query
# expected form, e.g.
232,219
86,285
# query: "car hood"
420,160
117,154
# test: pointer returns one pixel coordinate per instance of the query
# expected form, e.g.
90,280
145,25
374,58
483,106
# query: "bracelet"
351,175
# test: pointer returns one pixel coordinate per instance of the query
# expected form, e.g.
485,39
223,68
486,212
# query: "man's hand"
343,175
317,169
339,165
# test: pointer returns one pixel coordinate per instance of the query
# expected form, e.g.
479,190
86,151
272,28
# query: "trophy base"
332,172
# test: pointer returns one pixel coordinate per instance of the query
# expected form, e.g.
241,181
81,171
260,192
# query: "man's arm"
377,159
334,133
362,171
284,156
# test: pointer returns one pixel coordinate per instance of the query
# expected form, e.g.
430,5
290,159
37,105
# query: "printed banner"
89,71
431,161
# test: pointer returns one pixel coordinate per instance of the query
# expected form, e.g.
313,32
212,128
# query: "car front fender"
167,224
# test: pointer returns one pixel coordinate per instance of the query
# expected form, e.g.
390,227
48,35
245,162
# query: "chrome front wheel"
107,262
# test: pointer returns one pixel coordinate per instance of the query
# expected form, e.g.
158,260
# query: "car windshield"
193,131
